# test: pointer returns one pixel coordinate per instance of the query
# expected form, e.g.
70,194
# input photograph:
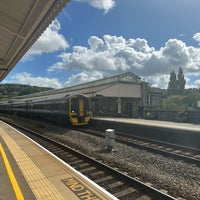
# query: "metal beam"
9,31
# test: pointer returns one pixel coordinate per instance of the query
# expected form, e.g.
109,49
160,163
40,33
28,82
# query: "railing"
173,115
162,115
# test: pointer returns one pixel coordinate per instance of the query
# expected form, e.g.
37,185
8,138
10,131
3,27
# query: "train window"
62,106
54,106
74,105
86,104
51,106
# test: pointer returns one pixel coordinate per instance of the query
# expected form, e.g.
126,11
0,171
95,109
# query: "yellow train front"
79,109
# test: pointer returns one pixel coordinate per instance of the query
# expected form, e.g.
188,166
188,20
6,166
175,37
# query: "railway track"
190,155
117,183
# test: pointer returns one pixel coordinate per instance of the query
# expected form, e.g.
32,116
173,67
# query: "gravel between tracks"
180,179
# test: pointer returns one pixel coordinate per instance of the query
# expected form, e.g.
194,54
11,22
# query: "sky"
93,39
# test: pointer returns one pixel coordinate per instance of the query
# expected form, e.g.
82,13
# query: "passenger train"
70,108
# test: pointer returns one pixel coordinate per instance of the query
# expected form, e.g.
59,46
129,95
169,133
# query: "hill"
11,90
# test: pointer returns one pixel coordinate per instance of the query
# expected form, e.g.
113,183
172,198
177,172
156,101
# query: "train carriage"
74,109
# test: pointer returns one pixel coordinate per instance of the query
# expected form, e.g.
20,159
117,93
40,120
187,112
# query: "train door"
81,108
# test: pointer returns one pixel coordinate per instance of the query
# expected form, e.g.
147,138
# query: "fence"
176,116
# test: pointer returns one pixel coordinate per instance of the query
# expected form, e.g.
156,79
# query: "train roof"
48,98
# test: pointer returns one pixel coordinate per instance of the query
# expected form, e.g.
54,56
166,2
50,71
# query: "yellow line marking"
14,183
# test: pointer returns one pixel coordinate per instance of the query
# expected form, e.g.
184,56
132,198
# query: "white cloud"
105,5
109,54
192,82
50,41
159,81
114,55
83,77
196,84
196,37
27,79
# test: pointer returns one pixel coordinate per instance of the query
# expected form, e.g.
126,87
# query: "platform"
155,123
184,134
28,171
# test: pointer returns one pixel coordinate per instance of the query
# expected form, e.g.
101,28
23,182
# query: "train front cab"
79,110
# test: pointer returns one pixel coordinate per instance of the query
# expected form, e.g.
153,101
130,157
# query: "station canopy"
93,88
22,22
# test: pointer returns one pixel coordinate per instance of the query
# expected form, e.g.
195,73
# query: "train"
71,109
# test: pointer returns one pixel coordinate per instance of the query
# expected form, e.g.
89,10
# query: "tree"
172,85
18,89
174,102
180,81
176,86
182,102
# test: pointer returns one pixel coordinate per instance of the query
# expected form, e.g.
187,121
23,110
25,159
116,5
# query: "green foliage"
176,85
172,85
191,99
11,90
174,102
182,102
181,81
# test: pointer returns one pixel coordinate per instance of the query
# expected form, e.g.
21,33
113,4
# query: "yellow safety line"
14,183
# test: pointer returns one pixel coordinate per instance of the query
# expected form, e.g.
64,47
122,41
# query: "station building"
120,95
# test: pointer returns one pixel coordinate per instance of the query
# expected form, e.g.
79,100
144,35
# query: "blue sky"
91,39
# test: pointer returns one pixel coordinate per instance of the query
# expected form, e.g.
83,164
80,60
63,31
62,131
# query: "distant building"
155,100
118,95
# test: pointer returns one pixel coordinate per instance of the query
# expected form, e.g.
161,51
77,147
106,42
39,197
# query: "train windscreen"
79,106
